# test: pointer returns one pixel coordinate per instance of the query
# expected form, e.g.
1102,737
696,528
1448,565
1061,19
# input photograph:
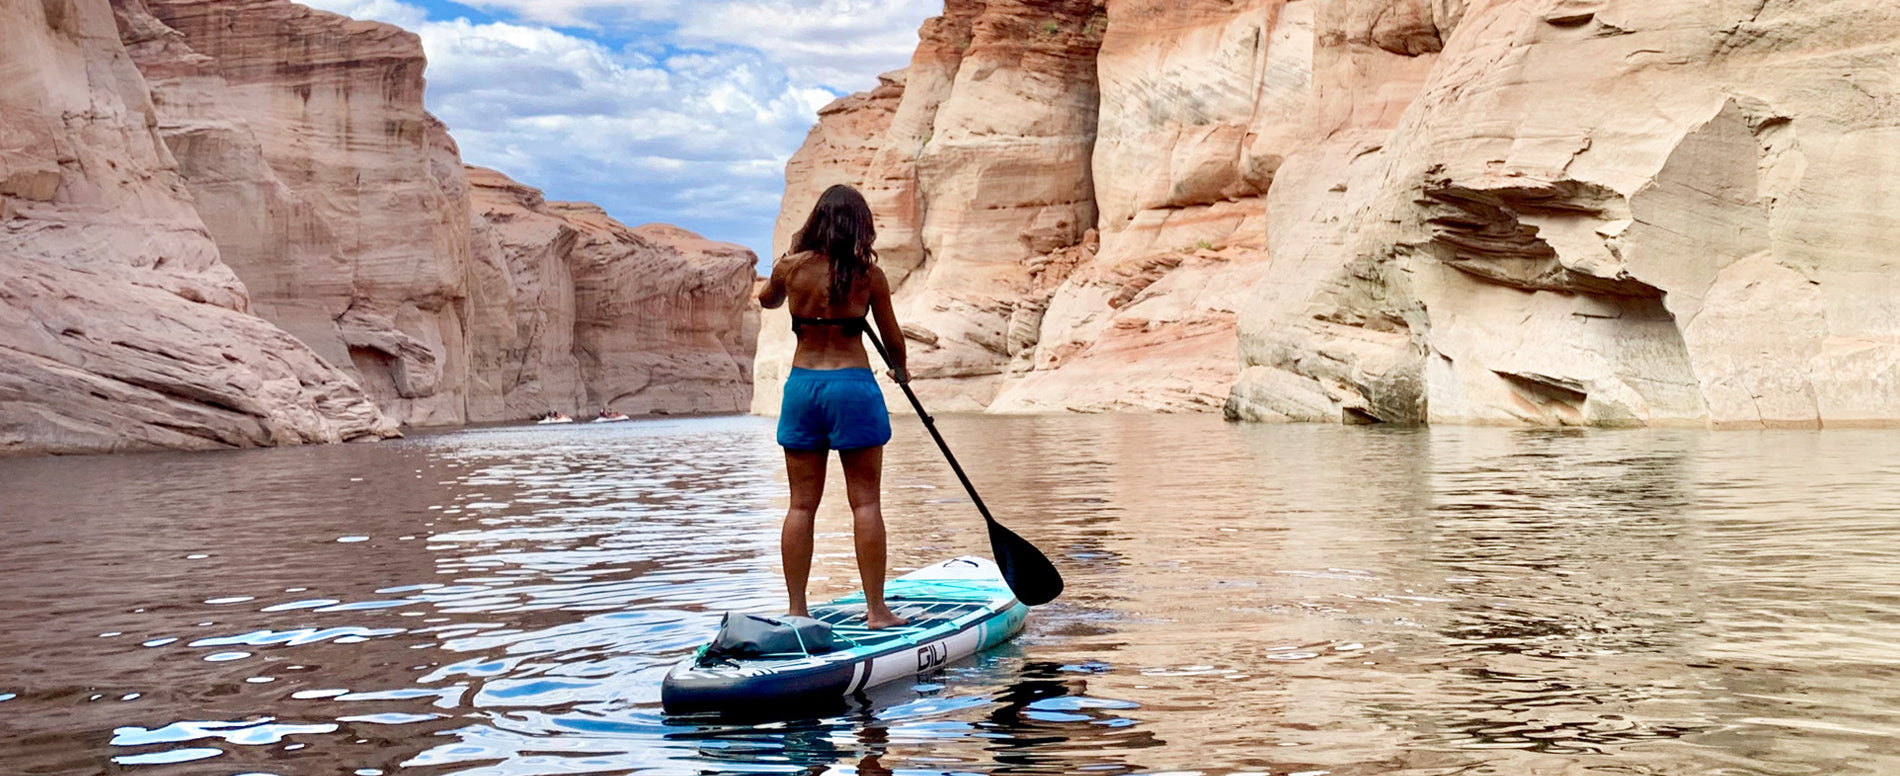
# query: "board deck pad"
956,608
847,621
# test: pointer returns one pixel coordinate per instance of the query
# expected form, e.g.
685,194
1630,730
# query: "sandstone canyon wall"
1601,212
647,320
331,192
1104,218
361,233
120,327
232,223
1624,213
995,118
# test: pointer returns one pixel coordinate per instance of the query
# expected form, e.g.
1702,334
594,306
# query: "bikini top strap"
850,325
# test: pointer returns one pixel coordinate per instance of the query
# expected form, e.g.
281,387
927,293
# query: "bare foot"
882,618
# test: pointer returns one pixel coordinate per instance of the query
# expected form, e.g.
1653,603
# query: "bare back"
802,282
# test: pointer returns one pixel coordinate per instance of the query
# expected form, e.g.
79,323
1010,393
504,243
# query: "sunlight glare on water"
1241,599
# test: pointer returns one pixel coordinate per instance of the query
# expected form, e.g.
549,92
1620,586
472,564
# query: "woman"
832,401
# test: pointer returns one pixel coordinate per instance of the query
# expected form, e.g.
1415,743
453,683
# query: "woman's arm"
887,325
773,293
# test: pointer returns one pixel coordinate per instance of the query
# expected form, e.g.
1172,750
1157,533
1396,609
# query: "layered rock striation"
231,223
120,326
330,190
1069,198
347,209
1599,212
1609,213
647,320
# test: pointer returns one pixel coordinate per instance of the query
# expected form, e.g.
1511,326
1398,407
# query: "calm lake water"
1242,599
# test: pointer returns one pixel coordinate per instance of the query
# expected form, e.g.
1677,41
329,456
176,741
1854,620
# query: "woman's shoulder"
793,258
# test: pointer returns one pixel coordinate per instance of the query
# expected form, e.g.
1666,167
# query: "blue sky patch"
657,110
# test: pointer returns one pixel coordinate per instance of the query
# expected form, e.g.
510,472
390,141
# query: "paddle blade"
1029,573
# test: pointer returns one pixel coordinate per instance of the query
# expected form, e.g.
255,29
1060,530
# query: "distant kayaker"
832,400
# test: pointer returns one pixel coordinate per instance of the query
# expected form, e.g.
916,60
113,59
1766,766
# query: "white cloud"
658,110
841,44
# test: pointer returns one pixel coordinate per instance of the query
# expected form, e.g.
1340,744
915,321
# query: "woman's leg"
863,470
806,471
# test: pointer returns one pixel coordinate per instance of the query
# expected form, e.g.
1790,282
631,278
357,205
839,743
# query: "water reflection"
1241,599
1040,721
1047,722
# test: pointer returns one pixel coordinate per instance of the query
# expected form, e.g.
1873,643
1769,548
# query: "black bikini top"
849,325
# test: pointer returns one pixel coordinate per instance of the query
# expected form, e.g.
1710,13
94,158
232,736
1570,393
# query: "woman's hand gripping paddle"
1029,573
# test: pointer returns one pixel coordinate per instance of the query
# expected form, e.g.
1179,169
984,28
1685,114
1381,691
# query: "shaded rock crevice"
1494,234
1558,259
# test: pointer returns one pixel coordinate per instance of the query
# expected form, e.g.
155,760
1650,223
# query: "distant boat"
610,416
554,417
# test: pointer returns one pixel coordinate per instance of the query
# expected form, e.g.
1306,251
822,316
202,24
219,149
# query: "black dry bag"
744,636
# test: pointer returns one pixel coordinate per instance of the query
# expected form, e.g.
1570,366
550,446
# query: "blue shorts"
832,409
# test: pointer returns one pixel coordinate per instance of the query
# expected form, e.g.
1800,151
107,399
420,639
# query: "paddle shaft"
931,424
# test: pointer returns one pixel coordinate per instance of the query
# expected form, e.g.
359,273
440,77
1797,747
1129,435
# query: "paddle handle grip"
930,423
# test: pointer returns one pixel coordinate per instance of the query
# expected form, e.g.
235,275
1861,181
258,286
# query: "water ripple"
1242,599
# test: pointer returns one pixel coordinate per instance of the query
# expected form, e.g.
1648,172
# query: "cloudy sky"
680,111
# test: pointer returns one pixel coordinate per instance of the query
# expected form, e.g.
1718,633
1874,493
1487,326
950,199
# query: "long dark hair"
840,228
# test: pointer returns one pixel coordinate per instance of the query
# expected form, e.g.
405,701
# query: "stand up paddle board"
956,609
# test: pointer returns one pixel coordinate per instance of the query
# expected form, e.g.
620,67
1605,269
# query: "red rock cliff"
1612,212
981,171
644,320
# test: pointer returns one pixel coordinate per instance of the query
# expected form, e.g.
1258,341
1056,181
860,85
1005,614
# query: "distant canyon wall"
1555,212
230,223
644,320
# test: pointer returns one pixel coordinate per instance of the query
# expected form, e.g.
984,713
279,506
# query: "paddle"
1029,573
